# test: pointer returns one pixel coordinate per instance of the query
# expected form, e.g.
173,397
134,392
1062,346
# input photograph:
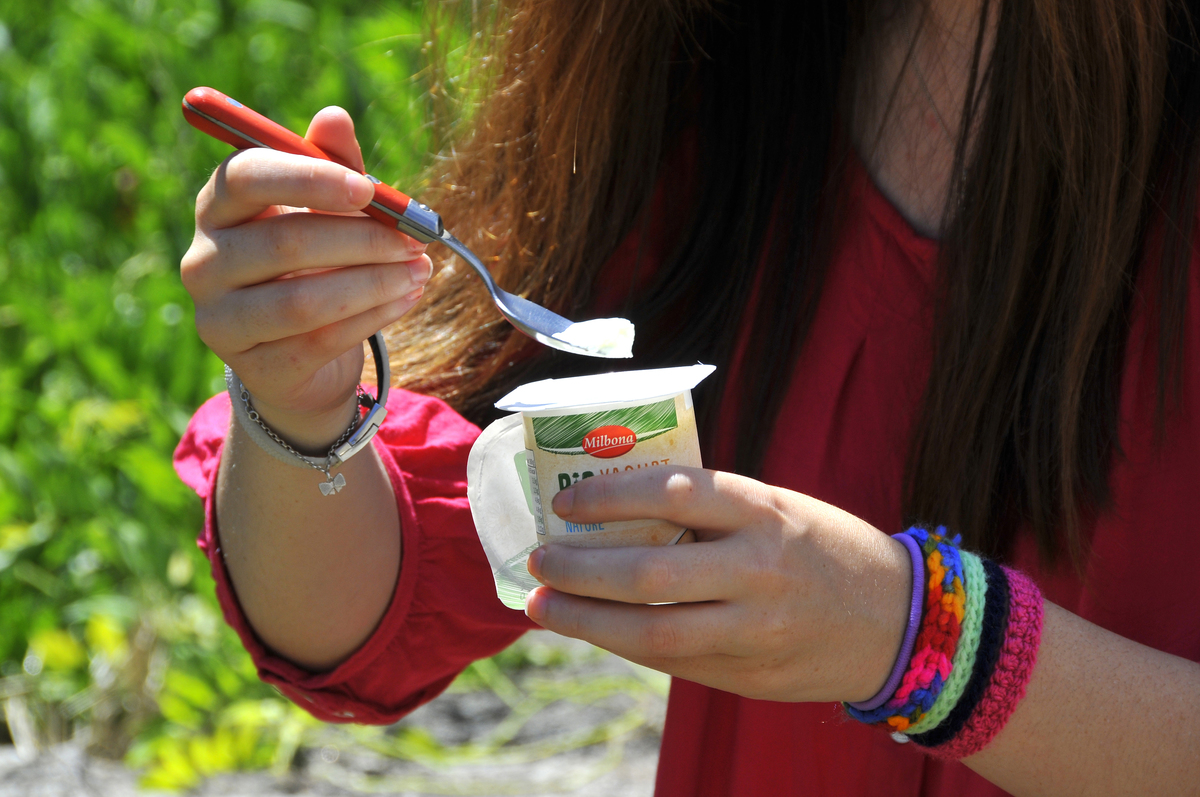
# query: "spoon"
224,118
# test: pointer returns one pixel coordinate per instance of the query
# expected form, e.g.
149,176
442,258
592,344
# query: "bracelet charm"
332,484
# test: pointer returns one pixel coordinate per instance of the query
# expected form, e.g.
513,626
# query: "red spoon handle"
224,118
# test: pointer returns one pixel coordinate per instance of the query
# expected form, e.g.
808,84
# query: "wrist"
310,427
311,432
898,626
973,655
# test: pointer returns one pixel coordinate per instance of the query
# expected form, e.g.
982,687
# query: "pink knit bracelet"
1011,675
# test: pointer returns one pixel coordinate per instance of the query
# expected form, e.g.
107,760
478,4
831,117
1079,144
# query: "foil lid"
612,388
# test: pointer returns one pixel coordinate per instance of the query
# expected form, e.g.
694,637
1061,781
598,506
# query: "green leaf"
57,649
190,688
178,711
171,767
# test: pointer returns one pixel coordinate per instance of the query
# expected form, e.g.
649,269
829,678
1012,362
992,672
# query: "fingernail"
563,502
417,294
358,189
420,270
535,606
534,565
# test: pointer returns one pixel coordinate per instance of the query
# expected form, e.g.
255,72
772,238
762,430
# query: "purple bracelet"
910,635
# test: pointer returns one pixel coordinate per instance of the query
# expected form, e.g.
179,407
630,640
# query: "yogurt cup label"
565,446
607,434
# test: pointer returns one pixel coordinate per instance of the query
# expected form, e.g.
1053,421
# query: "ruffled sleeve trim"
382,680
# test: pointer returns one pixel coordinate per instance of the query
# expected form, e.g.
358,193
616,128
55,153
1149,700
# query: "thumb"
332,130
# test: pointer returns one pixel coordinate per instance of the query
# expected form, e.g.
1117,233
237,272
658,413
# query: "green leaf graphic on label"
563,434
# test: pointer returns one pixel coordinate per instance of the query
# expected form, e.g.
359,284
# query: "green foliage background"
107,614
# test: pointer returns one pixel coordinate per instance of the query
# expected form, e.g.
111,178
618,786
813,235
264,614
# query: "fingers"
689,497
262,250
251,181
296,358
283,308
286,298
635,632
666,574
332,130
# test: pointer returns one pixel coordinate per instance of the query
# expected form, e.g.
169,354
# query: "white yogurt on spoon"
607,337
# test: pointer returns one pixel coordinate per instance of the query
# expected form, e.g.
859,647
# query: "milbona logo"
607,442
604,434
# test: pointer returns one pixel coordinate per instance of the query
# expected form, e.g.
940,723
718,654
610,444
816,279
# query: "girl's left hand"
782,597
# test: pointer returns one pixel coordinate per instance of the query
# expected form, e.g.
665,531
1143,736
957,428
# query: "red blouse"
841,437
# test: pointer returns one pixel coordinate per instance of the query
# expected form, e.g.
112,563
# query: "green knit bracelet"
968,645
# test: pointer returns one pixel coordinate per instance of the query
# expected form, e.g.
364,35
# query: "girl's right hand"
288,281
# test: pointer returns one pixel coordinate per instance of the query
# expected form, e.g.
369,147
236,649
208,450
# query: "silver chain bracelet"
356,437
332,484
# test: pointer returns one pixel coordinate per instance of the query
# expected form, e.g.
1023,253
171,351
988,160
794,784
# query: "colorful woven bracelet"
936,641
974,654
975,583
991,638
1014,667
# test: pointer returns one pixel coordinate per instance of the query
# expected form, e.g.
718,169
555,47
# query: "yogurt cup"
578,428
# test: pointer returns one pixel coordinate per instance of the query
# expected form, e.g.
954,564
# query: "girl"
942,255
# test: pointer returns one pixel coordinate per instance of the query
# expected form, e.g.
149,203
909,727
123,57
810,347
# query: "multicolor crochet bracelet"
972,658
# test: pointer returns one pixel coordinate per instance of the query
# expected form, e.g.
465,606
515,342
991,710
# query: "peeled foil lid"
610,388
502,507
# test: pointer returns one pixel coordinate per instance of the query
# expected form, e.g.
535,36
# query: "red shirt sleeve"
444,613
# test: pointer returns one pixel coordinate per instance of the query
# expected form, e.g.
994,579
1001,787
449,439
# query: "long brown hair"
1084,138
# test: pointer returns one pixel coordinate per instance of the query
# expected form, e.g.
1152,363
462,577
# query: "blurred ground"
599,740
